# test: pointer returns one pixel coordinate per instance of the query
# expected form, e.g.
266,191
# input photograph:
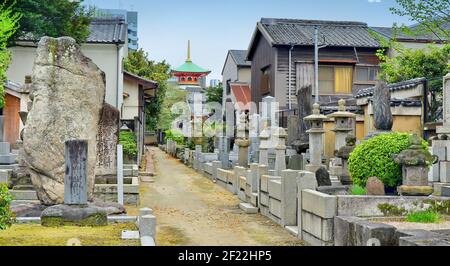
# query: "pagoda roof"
190,67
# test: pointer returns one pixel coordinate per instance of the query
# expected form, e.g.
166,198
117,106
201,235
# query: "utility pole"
316,64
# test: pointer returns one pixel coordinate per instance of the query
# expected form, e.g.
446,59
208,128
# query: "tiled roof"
393,87
242,93
400,35
332,33
108,31
239,57
101,31
145,82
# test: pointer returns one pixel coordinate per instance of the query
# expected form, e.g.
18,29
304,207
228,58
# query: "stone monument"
75,210
304,100
242,140
280,149
67,93
382,115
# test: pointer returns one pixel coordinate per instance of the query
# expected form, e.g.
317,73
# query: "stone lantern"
414,162
344,124
343,154
315,132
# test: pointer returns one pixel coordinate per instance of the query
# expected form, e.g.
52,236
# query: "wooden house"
282,56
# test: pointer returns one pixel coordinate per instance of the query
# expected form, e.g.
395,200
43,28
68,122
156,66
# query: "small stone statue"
350,145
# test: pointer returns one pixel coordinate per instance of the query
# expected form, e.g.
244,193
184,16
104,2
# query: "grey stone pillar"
315,132
280,149
289,197
75,179
305,180
344,124
264,143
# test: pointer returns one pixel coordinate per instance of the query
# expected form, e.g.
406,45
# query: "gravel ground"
192,210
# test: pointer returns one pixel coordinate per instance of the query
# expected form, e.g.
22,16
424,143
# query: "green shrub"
128,141
374,158
358,190
428,216
6,216
175,135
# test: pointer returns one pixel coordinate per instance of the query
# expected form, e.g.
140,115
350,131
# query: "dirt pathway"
192,210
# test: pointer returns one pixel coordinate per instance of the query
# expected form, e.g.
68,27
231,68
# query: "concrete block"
242,183
344,230
147,241
248,208
127,172
24,194
147,225
145,211
241,196
130,235
318,227
264,199
444,174
314,241
445,191
434,173
437,187
318,203
274,189
275,207
265,183
289,197
293,230
5,177
121,219
439,148
254,199
369,233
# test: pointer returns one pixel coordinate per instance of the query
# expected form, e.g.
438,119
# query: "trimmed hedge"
374,158
128,141
6,216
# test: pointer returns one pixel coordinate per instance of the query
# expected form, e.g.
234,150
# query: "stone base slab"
65,215
415,190
248,208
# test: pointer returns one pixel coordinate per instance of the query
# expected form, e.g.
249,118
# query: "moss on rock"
99,219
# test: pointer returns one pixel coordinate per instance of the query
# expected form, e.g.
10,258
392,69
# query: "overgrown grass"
358,190
37,235
423,217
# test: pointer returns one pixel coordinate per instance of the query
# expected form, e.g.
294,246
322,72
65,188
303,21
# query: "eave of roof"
393,87
147,83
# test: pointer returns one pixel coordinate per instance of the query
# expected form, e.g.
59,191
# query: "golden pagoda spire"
189,52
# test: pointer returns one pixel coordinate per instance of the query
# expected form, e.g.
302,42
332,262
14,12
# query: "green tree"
139,64
214,94
431,15
173,96
54,18
8,26
431,63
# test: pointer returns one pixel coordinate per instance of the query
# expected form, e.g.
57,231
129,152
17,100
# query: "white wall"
245,74
105,56
130,105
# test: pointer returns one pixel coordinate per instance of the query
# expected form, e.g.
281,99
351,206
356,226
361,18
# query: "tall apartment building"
131,17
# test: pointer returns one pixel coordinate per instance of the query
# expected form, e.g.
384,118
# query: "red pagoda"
189,74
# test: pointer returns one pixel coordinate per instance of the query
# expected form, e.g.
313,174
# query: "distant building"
214,82
236,79
131,18
190,74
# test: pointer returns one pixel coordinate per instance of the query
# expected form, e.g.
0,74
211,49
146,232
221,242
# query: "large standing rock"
68,93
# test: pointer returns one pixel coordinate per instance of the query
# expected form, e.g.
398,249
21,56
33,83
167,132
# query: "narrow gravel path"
192,210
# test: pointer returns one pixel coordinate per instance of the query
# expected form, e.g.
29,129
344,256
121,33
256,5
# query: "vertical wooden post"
120,174
75,179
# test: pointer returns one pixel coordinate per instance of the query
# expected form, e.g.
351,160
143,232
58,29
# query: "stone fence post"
288,197
305,180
